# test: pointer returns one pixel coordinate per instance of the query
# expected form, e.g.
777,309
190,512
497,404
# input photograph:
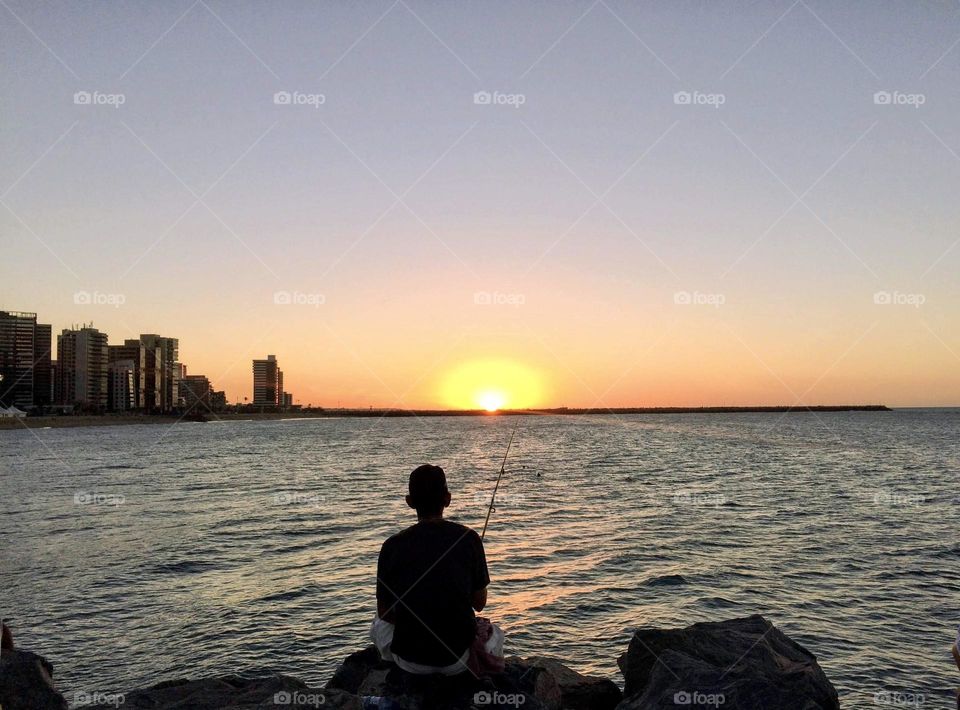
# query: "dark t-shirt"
428,574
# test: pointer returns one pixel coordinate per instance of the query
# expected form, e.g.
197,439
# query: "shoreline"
86,420
718,663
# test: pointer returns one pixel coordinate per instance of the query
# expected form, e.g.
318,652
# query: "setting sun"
492,385
491,400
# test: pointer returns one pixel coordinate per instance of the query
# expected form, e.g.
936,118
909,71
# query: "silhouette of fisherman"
431,579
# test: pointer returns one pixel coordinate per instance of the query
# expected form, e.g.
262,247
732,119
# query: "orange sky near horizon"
535,354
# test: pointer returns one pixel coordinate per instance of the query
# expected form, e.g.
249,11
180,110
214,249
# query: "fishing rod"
494,496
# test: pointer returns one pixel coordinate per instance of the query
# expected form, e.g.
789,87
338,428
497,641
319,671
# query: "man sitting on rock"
431,578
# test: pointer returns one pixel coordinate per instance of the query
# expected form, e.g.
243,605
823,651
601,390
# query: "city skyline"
143,374
417,206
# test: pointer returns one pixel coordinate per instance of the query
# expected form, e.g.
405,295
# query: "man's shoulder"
458,528
398,537
445,528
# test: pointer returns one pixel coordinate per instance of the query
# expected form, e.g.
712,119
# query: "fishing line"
497,486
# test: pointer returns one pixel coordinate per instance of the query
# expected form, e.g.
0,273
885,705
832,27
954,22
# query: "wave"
666,580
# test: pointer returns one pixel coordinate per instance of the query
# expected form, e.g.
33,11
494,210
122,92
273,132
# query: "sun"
491,400
491,385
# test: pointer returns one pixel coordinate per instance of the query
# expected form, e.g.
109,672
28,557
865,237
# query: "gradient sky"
586,210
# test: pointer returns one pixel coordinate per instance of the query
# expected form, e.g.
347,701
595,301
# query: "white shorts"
381,633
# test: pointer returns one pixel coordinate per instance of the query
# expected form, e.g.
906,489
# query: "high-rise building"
218,401
179,374
57,395
121,394
135,352
197,393
82,376
25,379
160,381
43,365
267,382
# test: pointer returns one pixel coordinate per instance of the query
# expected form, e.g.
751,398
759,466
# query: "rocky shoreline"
743,663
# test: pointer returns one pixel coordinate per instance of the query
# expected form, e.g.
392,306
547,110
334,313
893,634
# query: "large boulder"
26,682
275,692
740,663
577,691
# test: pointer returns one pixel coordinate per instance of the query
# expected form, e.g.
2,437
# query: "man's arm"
481,577
956,654
479,600
386,602
385,612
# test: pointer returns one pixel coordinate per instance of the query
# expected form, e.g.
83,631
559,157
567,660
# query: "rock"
740,663
361,669
579,692
232,693
26,682
531,680
729,665
537,682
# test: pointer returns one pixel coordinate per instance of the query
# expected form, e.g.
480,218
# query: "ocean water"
135,554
